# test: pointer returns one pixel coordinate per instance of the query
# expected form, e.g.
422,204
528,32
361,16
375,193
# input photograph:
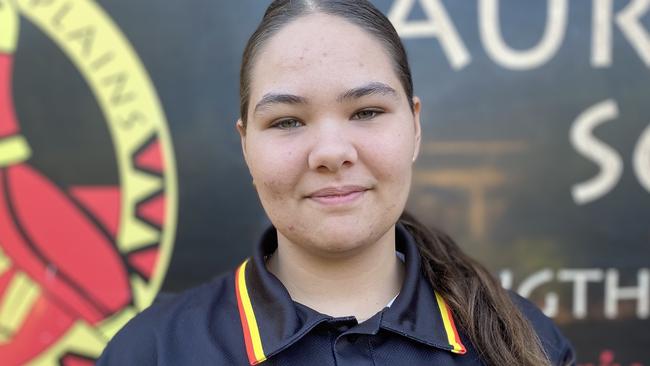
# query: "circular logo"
77,262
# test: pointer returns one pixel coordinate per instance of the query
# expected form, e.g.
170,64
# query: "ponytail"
483,309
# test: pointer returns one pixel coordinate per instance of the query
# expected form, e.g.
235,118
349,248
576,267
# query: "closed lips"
337,191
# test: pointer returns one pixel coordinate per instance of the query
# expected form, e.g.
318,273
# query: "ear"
417,107
242,136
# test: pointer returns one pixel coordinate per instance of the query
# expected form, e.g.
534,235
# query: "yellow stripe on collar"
252,338
450,327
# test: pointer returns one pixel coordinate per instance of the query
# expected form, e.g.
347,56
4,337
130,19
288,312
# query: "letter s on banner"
641,159
611,165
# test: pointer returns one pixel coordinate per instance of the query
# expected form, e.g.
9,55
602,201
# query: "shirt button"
340,327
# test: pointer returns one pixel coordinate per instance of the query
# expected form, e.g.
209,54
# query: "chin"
339,244
333,238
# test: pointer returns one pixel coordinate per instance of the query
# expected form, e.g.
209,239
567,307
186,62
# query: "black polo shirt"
247,317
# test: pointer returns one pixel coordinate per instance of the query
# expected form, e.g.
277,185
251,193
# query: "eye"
287,124
366,114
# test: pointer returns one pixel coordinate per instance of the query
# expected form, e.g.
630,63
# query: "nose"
333,149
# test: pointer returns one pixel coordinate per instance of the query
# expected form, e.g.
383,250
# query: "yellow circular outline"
128,100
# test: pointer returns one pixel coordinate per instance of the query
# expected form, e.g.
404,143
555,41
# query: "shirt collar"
271,321
419,312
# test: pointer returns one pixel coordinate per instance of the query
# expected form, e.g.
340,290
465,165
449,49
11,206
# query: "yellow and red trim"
450,326
254,348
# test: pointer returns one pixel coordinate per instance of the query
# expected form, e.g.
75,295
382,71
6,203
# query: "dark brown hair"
483,309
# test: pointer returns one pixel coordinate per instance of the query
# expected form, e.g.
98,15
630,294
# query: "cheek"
390,156
275,167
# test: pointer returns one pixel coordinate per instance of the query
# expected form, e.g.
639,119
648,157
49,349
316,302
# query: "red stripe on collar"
252,339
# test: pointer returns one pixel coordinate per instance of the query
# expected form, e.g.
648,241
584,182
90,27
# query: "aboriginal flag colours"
253,341
450,327
252,338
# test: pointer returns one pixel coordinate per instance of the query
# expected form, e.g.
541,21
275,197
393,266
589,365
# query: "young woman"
330,130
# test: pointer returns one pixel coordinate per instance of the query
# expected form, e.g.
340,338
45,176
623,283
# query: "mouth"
338,195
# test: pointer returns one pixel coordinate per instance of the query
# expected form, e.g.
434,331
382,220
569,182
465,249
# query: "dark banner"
121,175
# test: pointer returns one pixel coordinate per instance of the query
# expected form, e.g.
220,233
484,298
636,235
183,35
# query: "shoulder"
177,327
557,346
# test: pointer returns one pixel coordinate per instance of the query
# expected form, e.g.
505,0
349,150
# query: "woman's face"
330,139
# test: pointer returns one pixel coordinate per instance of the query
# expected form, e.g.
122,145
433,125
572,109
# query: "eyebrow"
273,98
372,88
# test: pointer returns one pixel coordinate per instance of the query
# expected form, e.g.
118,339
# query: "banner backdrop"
121,172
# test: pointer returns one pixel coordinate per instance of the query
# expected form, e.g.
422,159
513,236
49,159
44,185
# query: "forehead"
320,53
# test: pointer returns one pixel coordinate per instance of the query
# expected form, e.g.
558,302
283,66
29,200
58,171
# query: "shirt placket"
351,342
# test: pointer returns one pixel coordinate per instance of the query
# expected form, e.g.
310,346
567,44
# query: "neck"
358,284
